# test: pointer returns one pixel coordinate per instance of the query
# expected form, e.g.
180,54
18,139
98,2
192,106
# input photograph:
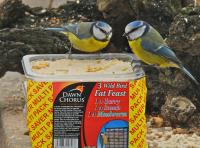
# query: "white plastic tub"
84,110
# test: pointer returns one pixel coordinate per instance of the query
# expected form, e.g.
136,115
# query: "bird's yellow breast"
148,57
87,45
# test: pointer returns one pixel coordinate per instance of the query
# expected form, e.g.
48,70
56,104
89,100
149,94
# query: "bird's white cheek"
99,35
137,33
134,35
109,36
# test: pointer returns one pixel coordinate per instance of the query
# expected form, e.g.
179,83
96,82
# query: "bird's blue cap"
104,26
136,24
101,24
132,26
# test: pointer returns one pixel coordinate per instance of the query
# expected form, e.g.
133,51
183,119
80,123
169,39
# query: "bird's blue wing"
154,43
81,30
167,53
73,28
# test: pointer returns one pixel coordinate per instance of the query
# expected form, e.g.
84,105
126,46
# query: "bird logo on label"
79,88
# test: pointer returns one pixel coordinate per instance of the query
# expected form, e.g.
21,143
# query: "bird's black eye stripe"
103,31
132,31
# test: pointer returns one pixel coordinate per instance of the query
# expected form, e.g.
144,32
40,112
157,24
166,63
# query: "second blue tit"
149,46
87,36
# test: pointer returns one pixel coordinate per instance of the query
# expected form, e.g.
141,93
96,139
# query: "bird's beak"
125,34
108,36
59,29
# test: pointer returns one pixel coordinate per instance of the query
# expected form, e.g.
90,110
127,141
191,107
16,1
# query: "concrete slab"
45,3
14,127
12,120
2,135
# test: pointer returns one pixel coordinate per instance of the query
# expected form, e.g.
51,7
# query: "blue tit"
87,36
149,46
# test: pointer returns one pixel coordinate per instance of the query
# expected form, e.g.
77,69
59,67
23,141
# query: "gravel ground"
166,137
13,122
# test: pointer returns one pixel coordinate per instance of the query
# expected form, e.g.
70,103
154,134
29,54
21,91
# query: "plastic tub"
93,110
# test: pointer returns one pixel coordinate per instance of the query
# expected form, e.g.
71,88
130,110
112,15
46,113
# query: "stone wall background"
178,21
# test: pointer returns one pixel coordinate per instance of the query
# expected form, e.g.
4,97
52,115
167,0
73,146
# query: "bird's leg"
136,66
155,65
133,61
150,65
141,64
99,54
70,51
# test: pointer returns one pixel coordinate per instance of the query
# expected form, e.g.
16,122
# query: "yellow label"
137,119
40,113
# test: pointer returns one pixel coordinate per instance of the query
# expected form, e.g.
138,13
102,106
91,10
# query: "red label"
107,102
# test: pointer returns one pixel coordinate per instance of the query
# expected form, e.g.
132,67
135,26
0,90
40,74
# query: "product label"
40,113
106,116
68,111
88,114
137,119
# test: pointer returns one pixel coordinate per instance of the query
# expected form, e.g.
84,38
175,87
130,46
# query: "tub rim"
29,74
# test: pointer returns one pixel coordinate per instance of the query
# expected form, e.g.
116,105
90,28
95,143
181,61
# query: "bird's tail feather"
59,29
189,75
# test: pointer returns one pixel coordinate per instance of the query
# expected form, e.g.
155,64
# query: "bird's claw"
155,65
134,62
136,66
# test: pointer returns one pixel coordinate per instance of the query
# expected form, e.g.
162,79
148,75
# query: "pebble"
167,139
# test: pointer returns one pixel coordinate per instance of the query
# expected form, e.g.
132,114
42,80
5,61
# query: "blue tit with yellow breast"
87,36
149,46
